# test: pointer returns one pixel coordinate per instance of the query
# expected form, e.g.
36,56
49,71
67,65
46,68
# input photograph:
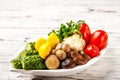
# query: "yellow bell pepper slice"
39,43
44,50
53,39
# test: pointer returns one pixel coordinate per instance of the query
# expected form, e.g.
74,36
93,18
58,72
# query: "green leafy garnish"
68,29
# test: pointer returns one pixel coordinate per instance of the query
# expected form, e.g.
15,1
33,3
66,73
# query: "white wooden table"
21,20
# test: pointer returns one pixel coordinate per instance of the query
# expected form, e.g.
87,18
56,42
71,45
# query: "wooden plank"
37,15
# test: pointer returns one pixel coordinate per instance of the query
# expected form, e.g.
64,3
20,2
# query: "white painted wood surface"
21,20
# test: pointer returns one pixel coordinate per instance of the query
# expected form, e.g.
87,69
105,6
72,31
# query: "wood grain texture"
22,20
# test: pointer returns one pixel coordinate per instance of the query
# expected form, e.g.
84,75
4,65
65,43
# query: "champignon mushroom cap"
59,46
61,54
66,47
52,62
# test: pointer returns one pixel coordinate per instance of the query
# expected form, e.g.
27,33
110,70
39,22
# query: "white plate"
58,72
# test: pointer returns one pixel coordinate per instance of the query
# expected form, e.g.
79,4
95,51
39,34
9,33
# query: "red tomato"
91,50
86,33
99,38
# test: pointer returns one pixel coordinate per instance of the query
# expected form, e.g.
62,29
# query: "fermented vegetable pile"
71,45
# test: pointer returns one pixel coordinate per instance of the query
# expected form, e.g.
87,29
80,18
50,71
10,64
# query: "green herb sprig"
68,29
